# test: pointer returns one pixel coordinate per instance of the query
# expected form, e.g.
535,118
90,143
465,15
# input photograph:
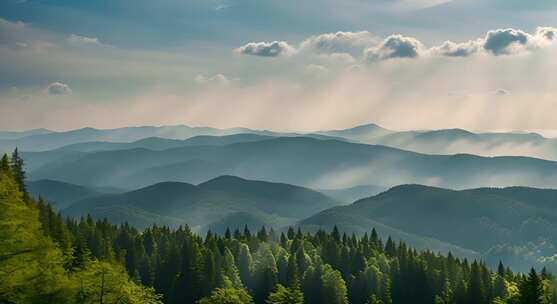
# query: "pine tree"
283,295
531,289
17,166
5,165
245,264
227,296
476,291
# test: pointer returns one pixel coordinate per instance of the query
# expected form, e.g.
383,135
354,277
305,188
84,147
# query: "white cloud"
339,42
453,49
267,49
58,88
547,33
543,37
395,46
506,41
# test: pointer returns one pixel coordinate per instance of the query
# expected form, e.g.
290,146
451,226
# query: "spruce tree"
531,289
17,166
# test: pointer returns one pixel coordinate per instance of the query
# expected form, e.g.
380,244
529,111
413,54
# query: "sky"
484,65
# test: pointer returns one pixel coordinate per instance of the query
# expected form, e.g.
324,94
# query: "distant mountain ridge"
301,161
20,134
54,140
443,141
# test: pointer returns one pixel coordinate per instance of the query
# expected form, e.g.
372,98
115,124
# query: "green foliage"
39,264
31,266
102,282
531,289
227,296
283,295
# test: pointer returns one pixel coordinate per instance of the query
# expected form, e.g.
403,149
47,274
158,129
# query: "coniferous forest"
45,258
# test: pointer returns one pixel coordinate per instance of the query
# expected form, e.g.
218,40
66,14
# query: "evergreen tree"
18,171
227,296
531,289
283,295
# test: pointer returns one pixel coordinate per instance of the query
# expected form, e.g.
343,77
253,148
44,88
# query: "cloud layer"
496,42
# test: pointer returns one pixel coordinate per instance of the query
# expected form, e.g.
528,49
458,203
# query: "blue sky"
278,64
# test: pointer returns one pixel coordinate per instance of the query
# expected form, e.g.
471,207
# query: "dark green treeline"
302,268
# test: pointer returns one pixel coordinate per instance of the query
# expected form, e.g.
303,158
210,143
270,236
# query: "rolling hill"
59,194
223,200
477,219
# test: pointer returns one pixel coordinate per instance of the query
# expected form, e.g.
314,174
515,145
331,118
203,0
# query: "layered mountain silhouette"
309,162
445,141
126,138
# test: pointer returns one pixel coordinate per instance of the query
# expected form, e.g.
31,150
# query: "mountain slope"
477,219
59,194
352,194
173,203
309,162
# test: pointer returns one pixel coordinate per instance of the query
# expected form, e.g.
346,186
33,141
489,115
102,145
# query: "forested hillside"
217,200
516,224
41,261
46,259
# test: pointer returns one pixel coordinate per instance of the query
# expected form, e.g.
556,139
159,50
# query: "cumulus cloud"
547,33
58,88
506,41
76,39
267,49
499,42
339,42
395,46
453,49
341,47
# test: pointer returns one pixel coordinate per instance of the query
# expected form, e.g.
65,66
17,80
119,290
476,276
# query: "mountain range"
308,162
415,186
445,141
